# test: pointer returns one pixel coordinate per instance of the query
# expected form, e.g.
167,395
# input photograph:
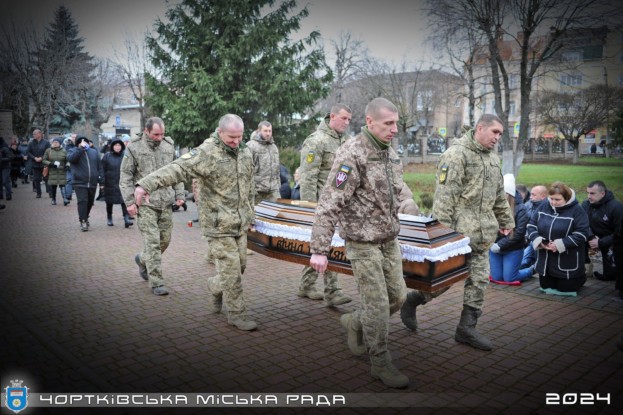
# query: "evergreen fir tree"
218,57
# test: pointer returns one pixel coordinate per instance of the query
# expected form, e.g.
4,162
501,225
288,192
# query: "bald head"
538,193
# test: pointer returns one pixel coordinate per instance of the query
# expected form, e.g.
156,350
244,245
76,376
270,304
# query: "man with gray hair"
364,194
265,163
223,166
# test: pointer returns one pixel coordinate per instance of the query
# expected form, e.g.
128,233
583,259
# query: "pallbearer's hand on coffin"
318,262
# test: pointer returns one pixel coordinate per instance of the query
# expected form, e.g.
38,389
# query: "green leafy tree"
217,57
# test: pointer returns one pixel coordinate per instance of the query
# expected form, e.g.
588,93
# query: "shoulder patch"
443,174
192,153
310,157
341,177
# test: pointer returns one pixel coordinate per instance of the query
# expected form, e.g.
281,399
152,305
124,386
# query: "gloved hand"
495,248
57,164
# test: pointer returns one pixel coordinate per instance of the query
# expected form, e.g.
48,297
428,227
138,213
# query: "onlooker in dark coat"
296,190
284,175
507,251
605,215
16,163
23,149
111,164
5,170
558,232
86,169
36,150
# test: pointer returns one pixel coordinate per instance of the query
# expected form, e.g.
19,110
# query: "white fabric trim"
409,252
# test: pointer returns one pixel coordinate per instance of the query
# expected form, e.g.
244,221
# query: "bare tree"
576,114
133,63
350,59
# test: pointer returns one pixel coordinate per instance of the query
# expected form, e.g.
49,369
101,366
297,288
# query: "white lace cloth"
409,252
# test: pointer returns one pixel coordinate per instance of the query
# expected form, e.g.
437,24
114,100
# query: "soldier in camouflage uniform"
266,163
224,169
148,152
363,194
470,199
317,157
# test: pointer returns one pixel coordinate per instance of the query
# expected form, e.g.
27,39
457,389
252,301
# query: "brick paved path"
77,317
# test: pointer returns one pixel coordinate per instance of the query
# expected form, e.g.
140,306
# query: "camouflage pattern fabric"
378,272
225,176
317,157
230,257
142,157
309,277
155,226
265,165
363,194
470,199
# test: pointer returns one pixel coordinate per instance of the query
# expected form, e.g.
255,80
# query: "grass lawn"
421,177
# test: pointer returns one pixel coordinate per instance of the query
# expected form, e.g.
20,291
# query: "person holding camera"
87,172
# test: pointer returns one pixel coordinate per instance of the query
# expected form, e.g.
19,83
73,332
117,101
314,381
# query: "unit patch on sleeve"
310,157
341,177
443,174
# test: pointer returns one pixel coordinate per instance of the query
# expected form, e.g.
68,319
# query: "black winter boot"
466,330
110,221
407,311
128,222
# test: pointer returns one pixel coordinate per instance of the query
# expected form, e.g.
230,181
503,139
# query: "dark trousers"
562,284
109,206
6,182
53,188
86,198
37,177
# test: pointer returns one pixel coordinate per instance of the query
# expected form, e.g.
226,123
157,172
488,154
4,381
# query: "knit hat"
59,140
509,184
80,139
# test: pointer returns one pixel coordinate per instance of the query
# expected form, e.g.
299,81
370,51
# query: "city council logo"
16,397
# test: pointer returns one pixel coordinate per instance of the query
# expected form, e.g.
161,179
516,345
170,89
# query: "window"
570,80
513,82
511,109
571,56
493,107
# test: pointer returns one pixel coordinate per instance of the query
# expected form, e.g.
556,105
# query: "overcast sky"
392,30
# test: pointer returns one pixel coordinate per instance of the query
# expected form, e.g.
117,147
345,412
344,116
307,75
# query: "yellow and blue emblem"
443,174
310,157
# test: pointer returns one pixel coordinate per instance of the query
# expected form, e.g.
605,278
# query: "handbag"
46,170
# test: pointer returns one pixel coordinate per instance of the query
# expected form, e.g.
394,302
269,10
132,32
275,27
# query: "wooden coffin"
434,256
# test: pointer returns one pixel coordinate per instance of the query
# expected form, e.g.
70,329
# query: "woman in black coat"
111,164
558,231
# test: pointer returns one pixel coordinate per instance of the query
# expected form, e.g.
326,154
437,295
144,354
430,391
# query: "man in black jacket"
36,150
605,214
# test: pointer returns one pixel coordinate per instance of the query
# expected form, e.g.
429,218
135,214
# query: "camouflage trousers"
155,226
309,277
475,284
230,257
272,196
378,272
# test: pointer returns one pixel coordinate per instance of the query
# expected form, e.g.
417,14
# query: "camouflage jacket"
469,196
363,194
225,176
265,164
141,157
317,157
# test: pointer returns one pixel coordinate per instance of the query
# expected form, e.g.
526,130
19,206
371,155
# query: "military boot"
336,298
310,292
407,311
215,300
243,323
466,330
387,373
142,269
354,331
